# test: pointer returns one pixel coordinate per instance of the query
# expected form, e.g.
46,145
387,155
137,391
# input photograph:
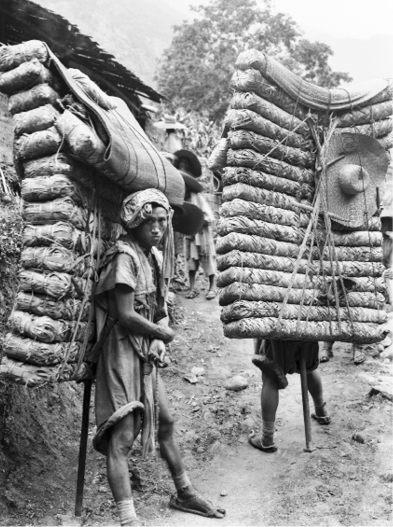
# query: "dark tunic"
283,357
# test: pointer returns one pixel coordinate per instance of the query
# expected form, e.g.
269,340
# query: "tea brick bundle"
289,268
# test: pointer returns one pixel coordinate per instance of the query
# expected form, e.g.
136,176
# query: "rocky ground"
346,480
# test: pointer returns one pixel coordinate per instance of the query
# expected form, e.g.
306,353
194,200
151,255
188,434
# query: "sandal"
211,294
326,352
192,293
358,356
196,505
321,419
257,443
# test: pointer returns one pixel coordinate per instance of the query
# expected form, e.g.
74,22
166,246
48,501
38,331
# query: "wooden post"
83,448
305,401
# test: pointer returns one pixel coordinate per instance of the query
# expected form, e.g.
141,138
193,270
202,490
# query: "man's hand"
166,334
157,351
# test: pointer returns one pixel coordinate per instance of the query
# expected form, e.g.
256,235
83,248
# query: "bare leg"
187,498
269,396
191,276
314,383
121,440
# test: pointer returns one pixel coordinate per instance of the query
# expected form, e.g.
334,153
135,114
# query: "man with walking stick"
130,396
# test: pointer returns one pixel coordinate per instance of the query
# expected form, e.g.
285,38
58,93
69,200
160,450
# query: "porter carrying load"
299,246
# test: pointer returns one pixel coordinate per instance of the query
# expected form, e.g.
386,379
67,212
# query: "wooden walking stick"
305,401
83,447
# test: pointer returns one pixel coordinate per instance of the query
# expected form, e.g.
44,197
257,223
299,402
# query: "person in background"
131,314
172,141
199,250
359,352
277,358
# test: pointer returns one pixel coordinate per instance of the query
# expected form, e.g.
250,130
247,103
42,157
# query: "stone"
384,386
198,371
358,438
387,353
236,383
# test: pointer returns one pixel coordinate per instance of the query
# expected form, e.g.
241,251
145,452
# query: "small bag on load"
12,56
91,89
81,138
33,98
37,144
25,76
35,120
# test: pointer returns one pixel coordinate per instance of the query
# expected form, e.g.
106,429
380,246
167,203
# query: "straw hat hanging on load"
355,166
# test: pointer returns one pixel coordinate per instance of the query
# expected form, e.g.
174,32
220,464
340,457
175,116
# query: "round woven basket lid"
356,166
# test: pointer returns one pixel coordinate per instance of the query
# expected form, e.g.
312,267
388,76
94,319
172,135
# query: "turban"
138,207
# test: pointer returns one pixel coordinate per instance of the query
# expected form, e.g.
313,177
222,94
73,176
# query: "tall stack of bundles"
70,214
299,246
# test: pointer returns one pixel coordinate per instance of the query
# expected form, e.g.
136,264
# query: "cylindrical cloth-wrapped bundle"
55,285
249,158
45,329
35,120
358,332
256,292
60,233
12,56
39,353
251,101
236,258
28,100
67,309
254,276
257,211
286,270
37,144
25,76
248,120
47,188
244,225
31,375
53,259
270,147
61,209
248,309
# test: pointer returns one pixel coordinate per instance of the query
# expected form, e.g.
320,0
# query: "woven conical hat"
356,166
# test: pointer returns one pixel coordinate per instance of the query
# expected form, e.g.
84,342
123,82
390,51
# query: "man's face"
150,232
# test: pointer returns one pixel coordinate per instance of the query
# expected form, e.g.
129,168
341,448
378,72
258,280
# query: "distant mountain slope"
135,31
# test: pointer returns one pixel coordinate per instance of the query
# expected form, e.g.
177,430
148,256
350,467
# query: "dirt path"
342,482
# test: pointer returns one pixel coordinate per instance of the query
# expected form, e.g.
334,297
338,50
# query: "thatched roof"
22,20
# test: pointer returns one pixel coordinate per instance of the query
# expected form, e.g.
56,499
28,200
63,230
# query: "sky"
360,32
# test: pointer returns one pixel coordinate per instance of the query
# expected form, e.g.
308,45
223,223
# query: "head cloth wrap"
137,208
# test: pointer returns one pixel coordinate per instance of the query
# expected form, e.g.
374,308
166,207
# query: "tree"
197,67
